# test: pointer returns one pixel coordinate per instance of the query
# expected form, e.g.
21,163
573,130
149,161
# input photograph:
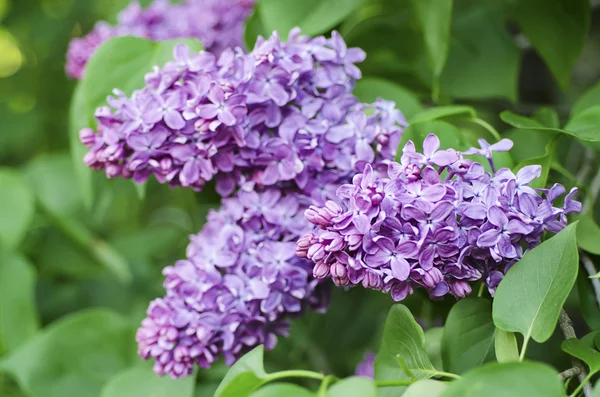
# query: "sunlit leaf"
16,207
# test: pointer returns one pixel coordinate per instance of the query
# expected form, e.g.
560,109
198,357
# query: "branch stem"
566,327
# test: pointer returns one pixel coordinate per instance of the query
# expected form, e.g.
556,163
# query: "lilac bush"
436,221
218,24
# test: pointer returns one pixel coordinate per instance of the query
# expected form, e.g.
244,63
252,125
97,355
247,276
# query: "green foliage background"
76,274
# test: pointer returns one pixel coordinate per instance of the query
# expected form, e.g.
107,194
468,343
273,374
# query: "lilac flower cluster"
282,114
280,130
218,24
437,221
240,280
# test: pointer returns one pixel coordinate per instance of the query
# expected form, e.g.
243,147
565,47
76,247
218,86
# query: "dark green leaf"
434,18
481,47
140,381
369,89
531,295
353,387
468,335
282,390
402,348
587,234
525,379
505,344
528,144
245,376
441,112
254,28
18,315
425,387
312,16
16,207
588,302
587,354
557,30
74,356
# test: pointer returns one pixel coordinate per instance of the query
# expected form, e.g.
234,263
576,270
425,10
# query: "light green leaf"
282,390
531,295
585,353
442,112
589,98
481,47
508,380
587,234
545,161
425,387
468,335
140,381
254,28
74,356
435,18
368,89
355,386
547,117
16,207
18,314
402,350
506,346
557,30
596,391
312,16
79,118
245,376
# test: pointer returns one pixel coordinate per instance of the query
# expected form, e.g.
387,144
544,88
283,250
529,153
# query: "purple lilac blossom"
366,368
239,283
437,221
218,24
282,114
280,130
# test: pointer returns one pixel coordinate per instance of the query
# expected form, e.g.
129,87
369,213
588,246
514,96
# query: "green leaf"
50,178
245,376
16,207
531,295
402,349
442,112
582,126
545,161
596,391
254,28
587,354
282,390
140,381
557,30
587,234
468,335
505,344
18,314
547,117
425,387
312,16
75,356
434,18
369,89
481,47
588,302
355,386
589,98
433,346
508,380
79,119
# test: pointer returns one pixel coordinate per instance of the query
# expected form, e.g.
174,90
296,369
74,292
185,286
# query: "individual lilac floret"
218,24
282,114
366,368
437,221
239,283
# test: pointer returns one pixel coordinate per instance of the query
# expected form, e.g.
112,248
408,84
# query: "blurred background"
110,254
